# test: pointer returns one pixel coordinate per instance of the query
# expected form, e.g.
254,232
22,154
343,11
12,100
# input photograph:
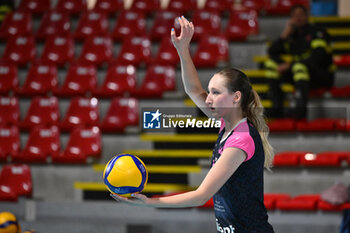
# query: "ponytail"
255,113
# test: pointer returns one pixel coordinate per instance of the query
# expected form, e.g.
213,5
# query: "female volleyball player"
235,180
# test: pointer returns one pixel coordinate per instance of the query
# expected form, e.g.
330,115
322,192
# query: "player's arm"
190,79
227,164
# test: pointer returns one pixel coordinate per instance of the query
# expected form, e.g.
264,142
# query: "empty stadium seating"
158,79
79,80
35,6
109,6
91,23
282,7
166,54
217,6
181,6
119,79
81,111
207,23
121,113
58,50
41,80
212,51
145,6
42,111
135,51
9,142
97,50
20,50
241,24
83,142
43,141
162,24
17,23
9,111
54,23
8,78
129,23
71,6
18,178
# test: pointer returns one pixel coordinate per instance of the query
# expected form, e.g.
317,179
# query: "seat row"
121,113
315,125
98,50
149,6
241,24
44,145
303,202
81,80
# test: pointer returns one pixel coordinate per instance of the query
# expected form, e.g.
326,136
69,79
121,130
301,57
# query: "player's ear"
236,98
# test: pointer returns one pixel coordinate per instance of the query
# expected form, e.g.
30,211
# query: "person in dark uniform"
235,180
310,64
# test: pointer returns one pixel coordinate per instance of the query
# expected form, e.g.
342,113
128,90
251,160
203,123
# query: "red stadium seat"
35,6
282,125
241,24
42,111
162,24
72,6
119,79
81,111
158,79
16,24
218,5
341,92
20,50
109,6
8,78
342,125
325,206
58,50
282,7
317,125
306,202
206,23
328,159
122,112
167,54
7,194
41,80
181,6
18,177
97,50
9,142
80,80
42,143
135,51
211,51
342,60
91,23
271,198
289,158
53,23
145,6
9,110
256,5
129,24
83,142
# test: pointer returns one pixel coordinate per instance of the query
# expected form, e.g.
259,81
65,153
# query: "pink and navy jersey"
239,204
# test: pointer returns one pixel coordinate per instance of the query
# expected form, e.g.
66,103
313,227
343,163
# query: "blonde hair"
251,107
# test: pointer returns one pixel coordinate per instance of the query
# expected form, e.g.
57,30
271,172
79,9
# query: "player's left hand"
136,199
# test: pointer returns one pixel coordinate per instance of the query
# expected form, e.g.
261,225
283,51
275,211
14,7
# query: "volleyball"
125,174
8,223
